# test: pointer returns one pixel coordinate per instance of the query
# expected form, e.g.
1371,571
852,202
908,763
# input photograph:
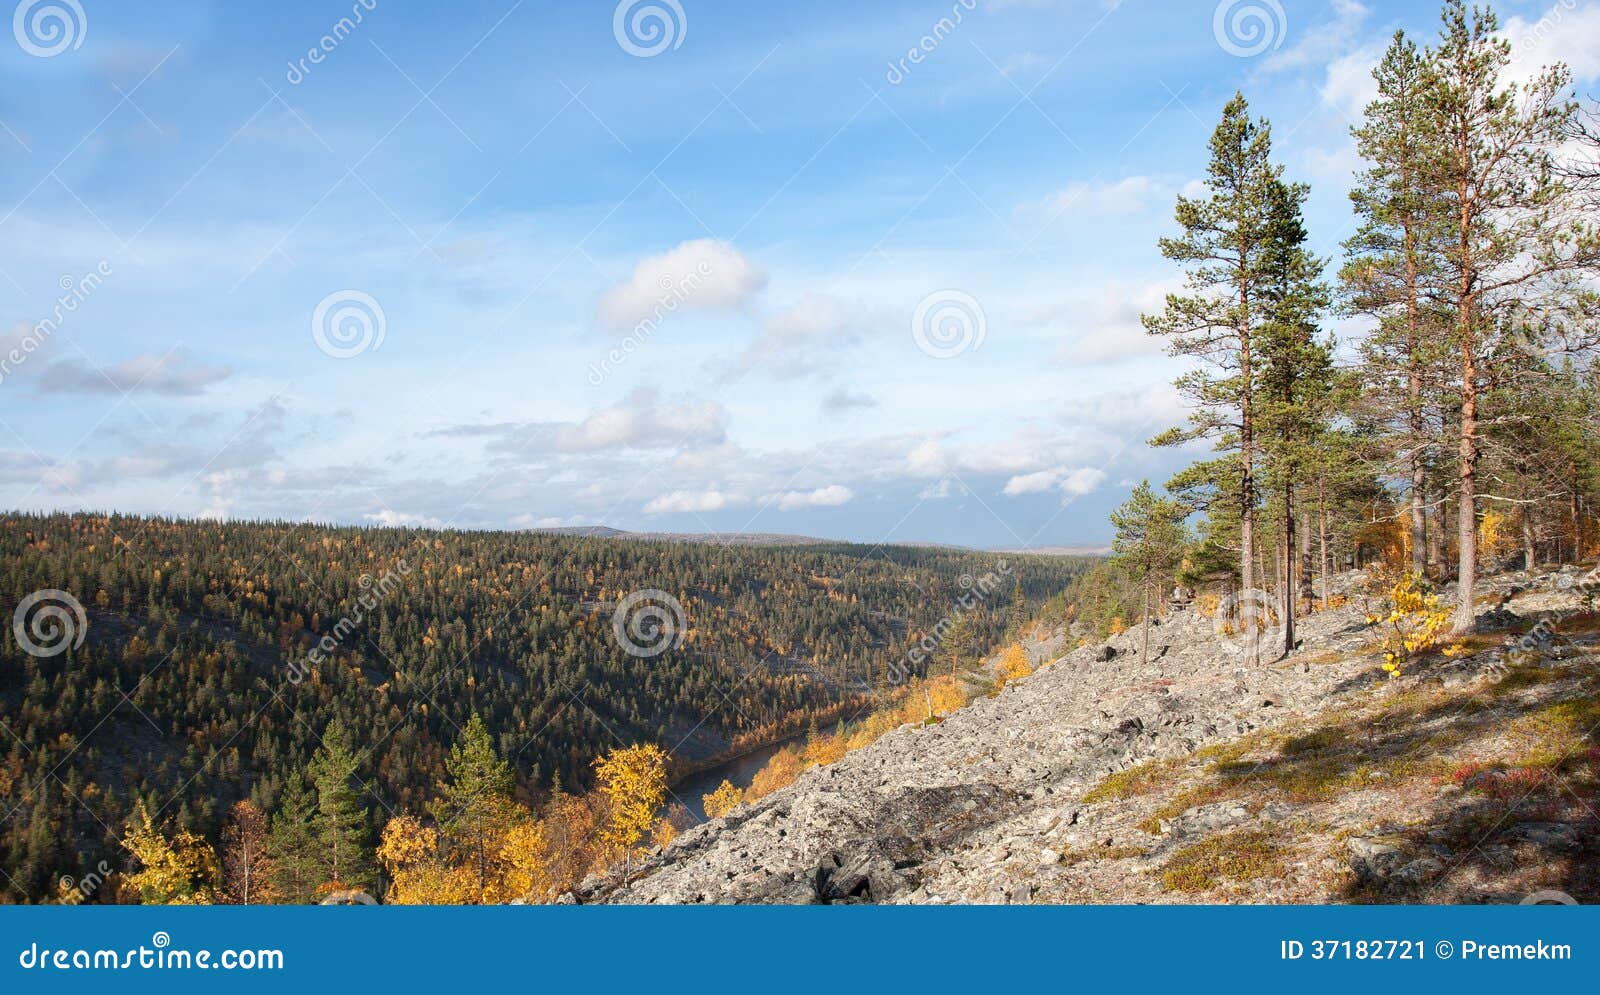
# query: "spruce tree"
474,803
1296,373
341,828
292,843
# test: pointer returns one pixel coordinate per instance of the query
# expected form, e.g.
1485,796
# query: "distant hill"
785,539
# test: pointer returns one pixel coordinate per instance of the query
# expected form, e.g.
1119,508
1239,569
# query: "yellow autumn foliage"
1412,622
179,871
1013,665
721,801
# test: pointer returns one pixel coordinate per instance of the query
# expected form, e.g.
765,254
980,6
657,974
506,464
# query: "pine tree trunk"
1466,513
1419,484
1307,592
1288,569
1144,652
1324,538
1528,554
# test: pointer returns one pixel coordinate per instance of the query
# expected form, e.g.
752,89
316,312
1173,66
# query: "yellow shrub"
1412,623
1013,664
721,801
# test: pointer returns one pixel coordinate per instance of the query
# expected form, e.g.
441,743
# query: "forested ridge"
217,655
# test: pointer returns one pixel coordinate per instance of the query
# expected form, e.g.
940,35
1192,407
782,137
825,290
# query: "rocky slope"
1193,777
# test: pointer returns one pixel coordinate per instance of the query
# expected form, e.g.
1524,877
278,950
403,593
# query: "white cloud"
688,501
1098,198
1569,32
1320,43
1349,86
696,275
171,375
831,496
1032,483
803,339
641,420
1082,481
403,519
1071,483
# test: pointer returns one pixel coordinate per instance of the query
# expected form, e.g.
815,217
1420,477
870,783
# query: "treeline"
1456,431
220,660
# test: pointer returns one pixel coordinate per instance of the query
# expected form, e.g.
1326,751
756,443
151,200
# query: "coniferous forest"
217,657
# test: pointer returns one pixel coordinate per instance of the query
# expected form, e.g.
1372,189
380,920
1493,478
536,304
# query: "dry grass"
1216,860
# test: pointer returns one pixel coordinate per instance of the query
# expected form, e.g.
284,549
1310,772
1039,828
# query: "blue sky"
481,265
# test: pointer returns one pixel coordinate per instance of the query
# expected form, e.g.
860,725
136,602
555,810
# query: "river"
740,770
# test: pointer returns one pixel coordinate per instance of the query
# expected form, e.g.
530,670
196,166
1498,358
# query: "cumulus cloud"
831,496
1348,87
688,501
803,339
1565,32
642,420
696,275
1318,44
1114,329
403,519
1100,198
1070,482
172,375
